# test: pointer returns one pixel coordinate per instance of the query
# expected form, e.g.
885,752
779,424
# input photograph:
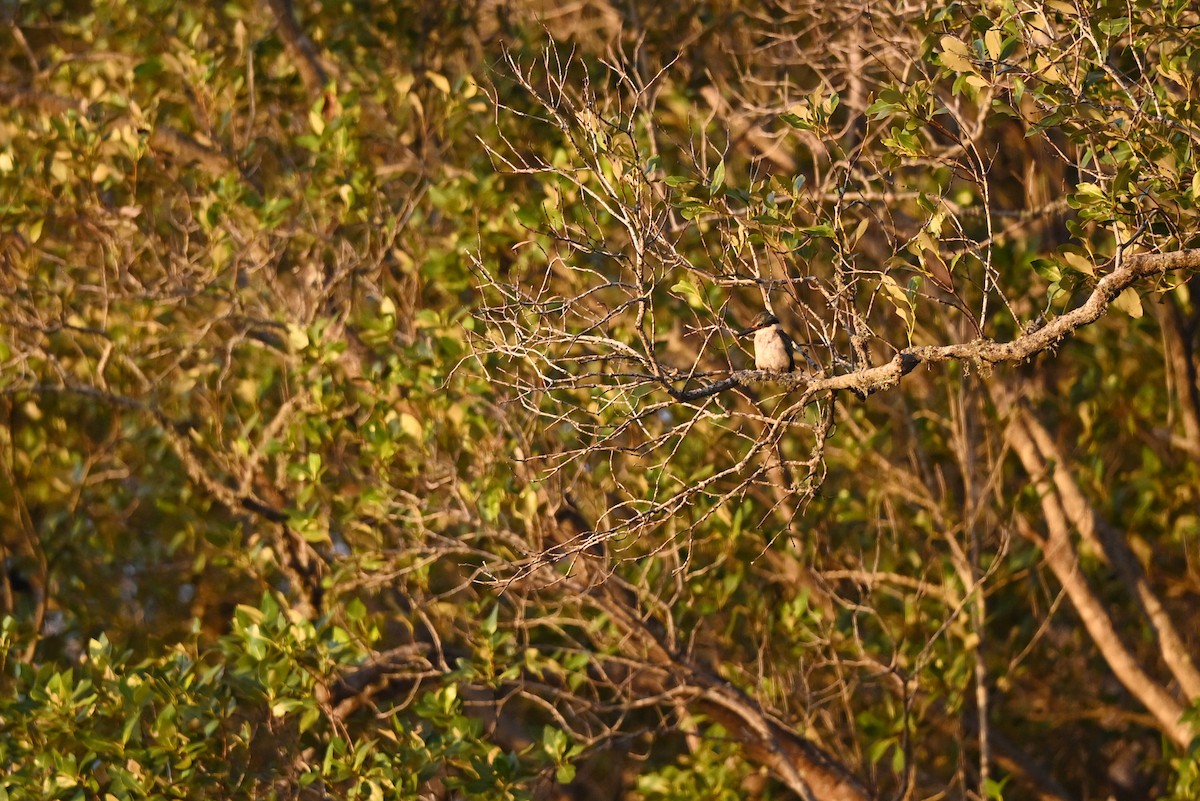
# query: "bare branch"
1063,559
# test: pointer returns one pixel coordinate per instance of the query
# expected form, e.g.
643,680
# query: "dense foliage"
374,421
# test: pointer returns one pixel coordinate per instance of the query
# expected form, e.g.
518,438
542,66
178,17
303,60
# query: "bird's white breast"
770,350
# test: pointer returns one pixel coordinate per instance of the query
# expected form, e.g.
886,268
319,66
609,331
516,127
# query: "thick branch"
1063,560
301,47
793,759
1091,525
1179,334
980,351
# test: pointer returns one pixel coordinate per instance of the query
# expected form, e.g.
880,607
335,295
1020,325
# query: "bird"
772,345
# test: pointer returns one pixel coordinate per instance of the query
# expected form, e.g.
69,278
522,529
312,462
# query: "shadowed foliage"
374,419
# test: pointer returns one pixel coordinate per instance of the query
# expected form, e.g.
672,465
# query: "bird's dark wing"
789,347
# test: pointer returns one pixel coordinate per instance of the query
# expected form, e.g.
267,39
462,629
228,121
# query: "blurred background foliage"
313,485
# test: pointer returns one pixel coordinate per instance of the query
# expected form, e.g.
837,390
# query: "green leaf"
685,288
491,622
882,108
718,178
1114,27
995,789
1047,268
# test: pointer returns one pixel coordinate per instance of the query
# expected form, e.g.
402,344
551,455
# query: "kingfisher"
772,345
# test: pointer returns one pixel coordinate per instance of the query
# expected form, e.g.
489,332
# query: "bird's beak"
748,331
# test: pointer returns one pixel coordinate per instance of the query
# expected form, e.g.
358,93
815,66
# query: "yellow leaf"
1129,302
439,81
1048,69
59,169
411,426
1078,263
800,111
994,43
956,63
529,502
863,225
956,55
951,44
900,301
922,242
297,337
